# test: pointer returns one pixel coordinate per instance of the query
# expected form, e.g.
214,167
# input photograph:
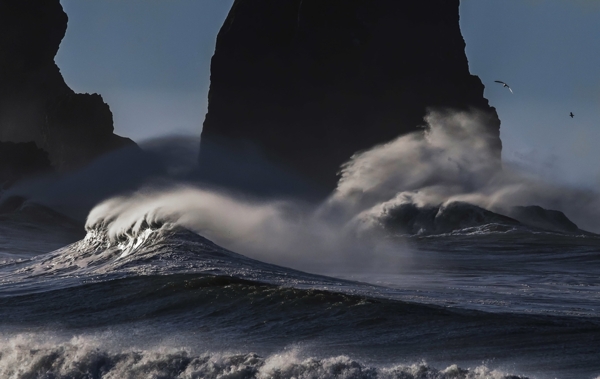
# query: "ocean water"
165,302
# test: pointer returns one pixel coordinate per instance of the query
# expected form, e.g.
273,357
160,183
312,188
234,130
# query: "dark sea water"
486,302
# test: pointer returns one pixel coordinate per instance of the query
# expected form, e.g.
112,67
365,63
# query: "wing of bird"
498,81
510,89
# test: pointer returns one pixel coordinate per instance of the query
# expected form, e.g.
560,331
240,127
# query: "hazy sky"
150,60
547,50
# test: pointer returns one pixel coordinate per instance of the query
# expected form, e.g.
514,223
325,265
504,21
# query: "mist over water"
288,233
452,159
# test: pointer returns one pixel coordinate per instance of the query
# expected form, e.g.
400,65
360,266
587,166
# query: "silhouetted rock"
539,217
21,160
36,105
307,83
408,218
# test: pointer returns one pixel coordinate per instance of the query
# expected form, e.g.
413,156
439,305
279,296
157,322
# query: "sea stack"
308,83
36,105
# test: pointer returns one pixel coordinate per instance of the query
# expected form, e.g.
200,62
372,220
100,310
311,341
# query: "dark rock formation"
408,218
36,105
539,217
307,83
20,160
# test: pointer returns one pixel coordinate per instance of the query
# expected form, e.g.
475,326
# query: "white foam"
36,356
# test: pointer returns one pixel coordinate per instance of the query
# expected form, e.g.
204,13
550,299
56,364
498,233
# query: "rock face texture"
36,105
307,83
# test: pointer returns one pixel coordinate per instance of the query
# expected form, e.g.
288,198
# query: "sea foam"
24,356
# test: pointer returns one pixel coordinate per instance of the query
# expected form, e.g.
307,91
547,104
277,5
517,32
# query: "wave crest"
81,358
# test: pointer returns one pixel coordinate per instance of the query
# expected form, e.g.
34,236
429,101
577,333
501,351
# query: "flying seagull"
571,114
504,85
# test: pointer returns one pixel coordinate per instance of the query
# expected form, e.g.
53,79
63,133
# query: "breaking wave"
21,357
445,179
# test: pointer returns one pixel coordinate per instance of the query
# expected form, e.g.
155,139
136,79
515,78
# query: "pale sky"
150,60
547,51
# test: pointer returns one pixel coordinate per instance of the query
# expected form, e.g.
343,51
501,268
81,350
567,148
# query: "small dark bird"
571,114
504,85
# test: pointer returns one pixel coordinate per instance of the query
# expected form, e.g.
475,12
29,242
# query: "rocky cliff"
307,83
36,105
